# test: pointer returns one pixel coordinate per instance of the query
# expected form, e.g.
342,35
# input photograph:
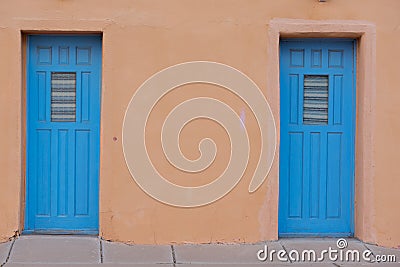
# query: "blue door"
63,123
317,137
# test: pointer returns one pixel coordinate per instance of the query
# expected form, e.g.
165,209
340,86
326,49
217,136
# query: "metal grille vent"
315,108
63,96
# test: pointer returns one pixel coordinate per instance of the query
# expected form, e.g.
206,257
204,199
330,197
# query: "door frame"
24,126
365,114
352,133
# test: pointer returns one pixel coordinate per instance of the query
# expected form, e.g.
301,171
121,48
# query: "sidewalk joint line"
173,255
9,252
365,246
372,253
287,253
101,250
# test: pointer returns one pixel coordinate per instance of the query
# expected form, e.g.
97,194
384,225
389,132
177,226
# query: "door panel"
63,123
317,137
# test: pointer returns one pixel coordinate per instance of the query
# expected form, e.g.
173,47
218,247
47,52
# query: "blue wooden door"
63,123
317,137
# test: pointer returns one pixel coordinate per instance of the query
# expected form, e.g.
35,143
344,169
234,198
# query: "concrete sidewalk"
76,251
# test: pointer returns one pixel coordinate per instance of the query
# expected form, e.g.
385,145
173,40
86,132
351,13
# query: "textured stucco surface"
142,37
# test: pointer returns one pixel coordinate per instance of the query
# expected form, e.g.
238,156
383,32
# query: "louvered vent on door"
315,107
63,96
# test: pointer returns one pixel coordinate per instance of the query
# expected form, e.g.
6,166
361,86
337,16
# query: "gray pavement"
47,250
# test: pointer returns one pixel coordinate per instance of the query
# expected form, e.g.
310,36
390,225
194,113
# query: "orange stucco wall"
143,37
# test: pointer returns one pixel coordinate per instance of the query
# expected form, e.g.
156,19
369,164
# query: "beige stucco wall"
143,37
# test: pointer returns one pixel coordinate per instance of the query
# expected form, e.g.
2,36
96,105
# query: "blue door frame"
63,133
317,114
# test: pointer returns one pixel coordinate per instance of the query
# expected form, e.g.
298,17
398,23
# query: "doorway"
317,88
63,133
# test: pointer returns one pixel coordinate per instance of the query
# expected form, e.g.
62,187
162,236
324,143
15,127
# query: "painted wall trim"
365,32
